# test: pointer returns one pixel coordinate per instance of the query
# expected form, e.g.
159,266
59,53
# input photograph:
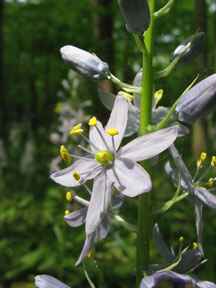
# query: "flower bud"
136,15
190,47
84,62
197,101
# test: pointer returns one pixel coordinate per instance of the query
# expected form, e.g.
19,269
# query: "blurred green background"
33,79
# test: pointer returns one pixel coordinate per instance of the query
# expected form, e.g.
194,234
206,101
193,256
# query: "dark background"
33,237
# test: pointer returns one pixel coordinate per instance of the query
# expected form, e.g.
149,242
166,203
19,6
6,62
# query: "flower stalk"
144,225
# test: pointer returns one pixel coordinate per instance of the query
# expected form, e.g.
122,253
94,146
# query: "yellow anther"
64,153
211,182
69,196
76,130
203,156
67,212
195,245
181,239
213,161
112,131
127,96
90,254
58,107
76,176
92,121
158,95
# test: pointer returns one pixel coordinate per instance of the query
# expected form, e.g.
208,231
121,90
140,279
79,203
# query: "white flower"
110,165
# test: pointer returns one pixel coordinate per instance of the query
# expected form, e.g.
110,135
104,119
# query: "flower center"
104,157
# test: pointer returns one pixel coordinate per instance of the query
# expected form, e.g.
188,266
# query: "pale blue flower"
175,280
111,166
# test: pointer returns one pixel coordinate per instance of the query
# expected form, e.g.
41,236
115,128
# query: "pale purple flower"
109,165
175,279
46,281
198,195
78,218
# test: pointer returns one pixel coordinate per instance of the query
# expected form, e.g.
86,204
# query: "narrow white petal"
118,118
89,242
88,169
46,281
99,203
130,178
149,145
95,137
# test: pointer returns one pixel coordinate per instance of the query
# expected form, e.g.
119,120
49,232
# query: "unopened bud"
190,47
84,62
197,101
136,15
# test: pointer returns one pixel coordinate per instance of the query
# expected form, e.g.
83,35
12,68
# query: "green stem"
127,87
144,225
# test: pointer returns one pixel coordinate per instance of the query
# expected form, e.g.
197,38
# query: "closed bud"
190,47
84,62
197,101
136,15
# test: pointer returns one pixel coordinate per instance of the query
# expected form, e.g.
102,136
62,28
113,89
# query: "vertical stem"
144,225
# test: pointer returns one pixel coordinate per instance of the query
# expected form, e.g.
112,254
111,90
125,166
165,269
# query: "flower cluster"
109,171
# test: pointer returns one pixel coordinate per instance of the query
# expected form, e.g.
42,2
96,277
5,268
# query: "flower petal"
133,120
118,119
205,197
46,281
184,172
130,178
76,218
95,136
205,284
99,203
161,277
149,145
88,169
86,248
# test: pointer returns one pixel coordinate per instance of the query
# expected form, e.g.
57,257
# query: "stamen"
67,212
69,196
201,160
89,142
158,96
81,201
76,176
203,156
102,137
112,132
213,161
195,246
117,178
211,182
92,121
85,149
64,153
76,130
127,96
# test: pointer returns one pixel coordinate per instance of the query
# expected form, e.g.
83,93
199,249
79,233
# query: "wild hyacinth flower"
84,62
184,260
46,281
199,195
136,15
197,101
78,218
109,165
172,279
